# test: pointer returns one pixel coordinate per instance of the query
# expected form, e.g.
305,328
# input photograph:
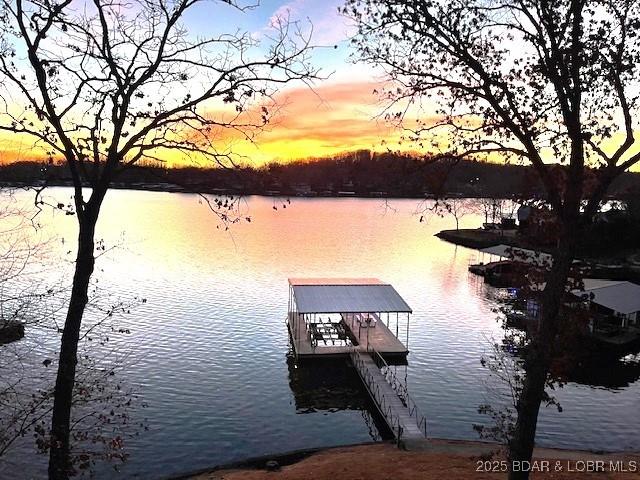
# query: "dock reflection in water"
330,385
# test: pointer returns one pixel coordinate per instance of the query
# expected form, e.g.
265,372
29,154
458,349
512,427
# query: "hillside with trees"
362,173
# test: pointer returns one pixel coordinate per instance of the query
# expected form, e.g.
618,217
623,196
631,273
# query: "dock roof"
335,281
346,295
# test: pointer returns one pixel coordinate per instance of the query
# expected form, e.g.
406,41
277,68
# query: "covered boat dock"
336,316
359,319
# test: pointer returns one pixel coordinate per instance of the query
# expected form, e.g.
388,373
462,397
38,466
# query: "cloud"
329,119
329,27
284,12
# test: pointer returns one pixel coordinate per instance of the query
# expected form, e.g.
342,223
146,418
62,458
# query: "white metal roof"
591,283
520,254
335,281
622,297
343,295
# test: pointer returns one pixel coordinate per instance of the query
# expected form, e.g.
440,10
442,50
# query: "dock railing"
382,402
401,390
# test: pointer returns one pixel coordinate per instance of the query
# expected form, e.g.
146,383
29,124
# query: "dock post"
368,326
407,343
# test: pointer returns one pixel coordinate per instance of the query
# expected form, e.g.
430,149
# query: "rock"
10,331
272,466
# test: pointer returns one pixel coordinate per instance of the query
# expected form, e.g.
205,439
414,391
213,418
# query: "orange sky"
331,118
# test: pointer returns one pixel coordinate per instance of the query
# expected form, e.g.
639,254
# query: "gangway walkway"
391,397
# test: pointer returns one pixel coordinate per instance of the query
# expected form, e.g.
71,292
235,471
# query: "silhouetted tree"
456,207
106,84
535,81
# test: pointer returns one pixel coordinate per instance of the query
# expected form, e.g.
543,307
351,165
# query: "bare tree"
488,208
456,207
33,297
550,83
494,208
106,84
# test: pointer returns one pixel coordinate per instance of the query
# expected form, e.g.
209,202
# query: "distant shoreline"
360,174
172,188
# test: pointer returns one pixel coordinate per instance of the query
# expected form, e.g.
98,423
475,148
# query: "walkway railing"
379,397
401,390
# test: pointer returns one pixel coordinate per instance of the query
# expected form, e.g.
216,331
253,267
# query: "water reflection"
593,369
208,349
615,375
330,385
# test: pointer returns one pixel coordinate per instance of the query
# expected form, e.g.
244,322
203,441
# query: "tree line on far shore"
361,173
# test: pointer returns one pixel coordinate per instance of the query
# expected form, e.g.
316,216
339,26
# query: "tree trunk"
59,460
538,360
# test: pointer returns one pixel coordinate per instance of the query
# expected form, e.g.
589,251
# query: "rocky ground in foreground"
440,459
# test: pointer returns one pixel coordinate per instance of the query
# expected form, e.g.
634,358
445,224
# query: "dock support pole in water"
407,342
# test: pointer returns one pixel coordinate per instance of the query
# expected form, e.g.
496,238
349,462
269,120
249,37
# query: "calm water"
208,350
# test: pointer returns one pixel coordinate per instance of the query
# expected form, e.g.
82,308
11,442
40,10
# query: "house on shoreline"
612,299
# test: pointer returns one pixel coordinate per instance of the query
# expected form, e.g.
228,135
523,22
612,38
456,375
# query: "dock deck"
378,337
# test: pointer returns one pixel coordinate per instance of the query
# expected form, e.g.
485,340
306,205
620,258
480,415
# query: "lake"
208,351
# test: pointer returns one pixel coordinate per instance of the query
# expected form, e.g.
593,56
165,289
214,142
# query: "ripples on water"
209,348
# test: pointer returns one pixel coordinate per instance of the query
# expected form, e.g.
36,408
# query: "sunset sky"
336,114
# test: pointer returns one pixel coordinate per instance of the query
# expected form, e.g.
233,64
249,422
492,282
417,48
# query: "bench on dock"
363,320
316,335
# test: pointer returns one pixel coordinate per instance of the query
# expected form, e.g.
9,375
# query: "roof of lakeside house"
520,254
592,283
346,295
619,296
